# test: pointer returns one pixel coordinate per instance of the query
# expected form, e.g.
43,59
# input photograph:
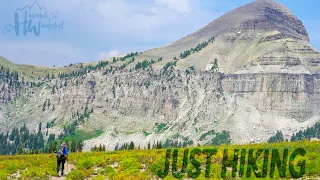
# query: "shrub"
129,164
99,177
75,175
109,171
85,164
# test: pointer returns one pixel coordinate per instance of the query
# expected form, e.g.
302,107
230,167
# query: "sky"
60,32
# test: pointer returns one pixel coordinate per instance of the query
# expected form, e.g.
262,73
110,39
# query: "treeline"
155,145
131,146
177,144
125,146
22,141
309,133
70,129
11,78
124,65
100,65
186,53
278,137
146,63
169,64
83,71
77,73
114,59
99,148
220,138
198,48
53,144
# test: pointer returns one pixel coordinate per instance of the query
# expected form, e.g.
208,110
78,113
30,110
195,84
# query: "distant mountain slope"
263,36
269,80
29,71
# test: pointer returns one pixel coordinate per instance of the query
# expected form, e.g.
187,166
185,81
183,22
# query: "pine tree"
131,146
116,147
114,91
73,145
40,141
80,145
40,127
44,106
277,138
48,103
160,145
215,67
20,149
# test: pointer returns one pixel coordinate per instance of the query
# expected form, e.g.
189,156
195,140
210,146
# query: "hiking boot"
57,174
62,174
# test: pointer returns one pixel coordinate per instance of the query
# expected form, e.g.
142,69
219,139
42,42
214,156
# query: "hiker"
62,156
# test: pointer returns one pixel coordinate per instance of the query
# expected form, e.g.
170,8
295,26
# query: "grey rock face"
270,81
260,33
132,102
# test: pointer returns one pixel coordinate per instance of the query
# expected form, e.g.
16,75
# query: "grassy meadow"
145,164
84,135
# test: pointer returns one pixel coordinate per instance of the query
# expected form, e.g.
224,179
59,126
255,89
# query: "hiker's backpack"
60,153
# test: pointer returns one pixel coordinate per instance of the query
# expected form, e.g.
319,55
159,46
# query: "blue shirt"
66,152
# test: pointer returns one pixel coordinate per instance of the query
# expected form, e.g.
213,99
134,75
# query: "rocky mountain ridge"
128,106
262,36
268,80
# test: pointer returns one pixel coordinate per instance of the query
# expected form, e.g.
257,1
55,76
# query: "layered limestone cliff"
269,80
127,104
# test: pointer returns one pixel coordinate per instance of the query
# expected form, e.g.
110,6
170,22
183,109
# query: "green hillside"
145,164
29,71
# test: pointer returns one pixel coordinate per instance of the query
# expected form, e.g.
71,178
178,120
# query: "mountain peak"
268,15
263,35
260,15
265,1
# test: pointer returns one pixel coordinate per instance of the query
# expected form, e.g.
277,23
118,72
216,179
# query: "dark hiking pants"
60,161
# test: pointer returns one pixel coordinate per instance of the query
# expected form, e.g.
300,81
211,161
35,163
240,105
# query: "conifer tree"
131,146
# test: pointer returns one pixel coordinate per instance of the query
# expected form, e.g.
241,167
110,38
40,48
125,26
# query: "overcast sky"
92,30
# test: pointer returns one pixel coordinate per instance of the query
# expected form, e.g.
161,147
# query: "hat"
63,144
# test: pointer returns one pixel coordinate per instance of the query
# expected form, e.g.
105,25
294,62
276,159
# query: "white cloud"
131,17
100,26
110,54
134,20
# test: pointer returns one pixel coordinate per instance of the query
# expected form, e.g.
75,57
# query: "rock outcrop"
126,104
262,33
269,80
